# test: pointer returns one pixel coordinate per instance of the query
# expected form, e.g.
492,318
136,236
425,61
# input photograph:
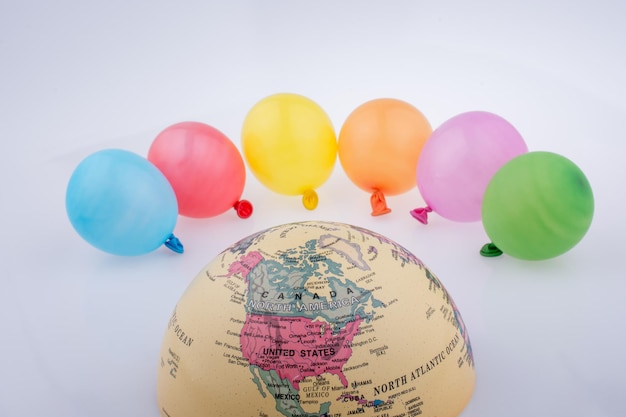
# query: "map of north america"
301,317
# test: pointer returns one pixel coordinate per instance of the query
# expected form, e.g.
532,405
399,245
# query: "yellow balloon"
290,145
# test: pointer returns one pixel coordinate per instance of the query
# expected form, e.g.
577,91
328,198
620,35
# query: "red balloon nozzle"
243,208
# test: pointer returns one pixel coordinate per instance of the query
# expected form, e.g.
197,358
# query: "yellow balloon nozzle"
310,199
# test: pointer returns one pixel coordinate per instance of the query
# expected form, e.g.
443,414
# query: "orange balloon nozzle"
310,199
379,204
243,208
421,214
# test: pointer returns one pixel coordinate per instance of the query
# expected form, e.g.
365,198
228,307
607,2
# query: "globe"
315,319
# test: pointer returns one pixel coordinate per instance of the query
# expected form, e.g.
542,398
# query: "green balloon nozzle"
490,250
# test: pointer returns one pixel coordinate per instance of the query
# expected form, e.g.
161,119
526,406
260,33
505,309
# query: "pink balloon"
204,167
458,161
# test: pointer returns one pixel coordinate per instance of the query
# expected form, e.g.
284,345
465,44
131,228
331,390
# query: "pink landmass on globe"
297,347
245,264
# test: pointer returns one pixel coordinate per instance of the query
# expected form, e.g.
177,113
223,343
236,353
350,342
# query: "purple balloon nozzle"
421,214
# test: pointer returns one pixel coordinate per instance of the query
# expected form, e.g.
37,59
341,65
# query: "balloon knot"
243,208
379,204
421,214
174,244
490,250
310,199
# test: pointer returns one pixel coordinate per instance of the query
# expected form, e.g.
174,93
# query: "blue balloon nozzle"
174,244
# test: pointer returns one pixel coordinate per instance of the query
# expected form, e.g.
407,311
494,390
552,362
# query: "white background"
81,329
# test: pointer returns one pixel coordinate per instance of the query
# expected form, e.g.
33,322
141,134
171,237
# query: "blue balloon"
121,203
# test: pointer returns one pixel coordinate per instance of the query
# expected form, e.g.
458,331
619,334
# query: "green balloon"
537,206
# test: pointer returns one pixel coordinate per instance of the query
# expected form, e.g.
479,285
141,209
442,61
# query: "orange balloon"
379,145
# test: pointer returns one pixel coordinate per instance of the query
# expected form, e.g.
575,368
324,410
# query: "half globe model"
315,319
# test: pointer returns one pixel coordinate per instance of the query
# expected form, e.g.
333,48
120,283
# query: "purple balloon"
458,161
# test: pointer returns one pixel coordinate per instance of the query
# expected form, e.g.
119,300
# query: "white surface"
81,329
